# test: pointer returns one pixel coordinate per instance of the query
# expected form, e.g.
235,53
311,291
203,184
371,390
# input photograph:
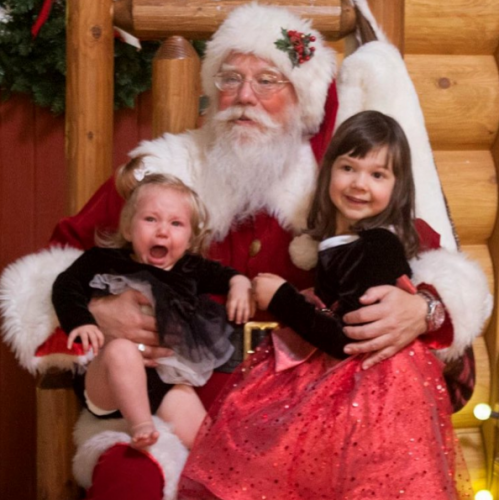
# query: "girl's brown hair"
199,214
358,136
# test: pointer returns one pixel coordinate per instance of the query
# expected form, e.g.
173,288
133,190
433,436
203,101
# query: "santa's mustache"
240,112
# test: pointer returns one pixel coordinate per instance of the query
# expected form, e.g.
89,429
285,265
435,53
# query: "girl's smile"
360,187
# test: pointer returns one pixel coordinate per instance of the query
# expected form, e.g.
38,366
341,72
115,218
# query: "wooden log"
198,19
176,87
57,412
122,15
465,418
459,97
469,182
390,16
490,429
494,487
471,442
469,429
89,97
457,27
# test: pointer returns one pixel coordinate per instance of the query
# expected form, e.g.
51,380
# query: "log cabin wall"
451,51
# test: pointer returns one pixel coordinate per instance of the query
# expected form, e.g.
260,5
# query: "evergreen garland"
37,66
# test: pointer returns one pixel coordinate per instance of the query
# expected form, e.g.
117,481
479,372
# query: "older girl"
304,421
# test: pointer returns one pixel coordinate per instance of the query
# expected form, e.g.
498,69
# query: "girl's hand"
90,336
390,320
240,304
265,285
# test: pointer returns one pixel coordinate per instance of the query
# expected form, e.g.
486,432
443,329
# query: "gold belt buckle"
249,328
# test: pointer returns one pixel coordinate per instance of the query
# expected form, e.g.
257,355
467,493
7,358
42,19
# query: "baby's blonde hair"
125,177
199,213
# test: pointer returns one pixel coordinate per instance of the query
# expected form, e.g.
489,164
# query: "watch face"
437,315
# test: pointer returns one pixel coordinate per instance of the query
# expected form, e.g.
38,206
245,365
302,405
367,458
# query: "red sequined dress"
296,422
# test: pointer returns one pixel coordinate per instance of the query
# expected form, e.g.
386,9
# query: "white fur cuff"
463,288
94,436
26,306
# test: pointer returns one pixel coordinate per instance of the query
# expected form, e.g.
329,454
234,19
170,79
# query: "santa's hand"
151,353
390,320
122,316
265,285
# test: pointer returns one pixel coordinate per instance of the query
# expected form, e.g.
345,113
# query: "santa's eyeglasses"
263,85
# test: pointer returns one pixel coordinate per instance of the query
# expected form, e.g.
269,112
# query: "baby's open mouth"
158,251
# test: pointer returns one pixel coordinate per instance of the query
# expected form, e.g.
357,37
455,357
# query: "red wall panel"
33,196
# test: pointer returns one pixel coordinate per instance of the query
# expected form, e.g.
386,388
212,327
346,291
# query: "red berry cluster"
300,43
297,45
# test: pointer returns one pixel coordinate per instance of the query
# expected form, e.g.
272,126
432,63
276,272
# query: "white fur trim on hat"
254,29
463,288
26,307
94,436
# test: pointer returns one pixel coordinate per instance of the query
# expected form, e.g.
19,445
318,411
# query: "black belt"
245,339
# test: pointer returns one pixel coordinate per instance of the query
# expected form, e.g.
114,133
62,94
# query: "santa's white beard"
243,162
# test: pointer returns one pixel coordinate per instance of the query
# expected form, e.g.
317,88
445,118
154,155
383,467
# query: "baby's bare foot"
143,435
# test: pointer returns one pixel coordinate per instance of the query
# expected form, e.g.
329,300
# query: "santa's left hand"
390,320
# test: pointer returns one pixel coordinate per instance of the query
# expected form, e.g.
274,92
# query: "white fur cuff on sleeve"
26,305
463,288
94,436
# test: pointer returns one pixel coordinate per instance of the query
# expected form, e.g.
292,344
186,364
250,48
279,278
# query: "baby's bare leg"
116,378
183,409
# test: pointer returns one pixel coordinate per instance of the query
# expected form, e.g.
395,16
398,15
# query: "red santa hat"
268,32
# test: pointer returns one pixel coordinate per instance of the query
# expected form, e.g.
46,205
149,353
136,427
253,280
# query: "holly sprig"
297,45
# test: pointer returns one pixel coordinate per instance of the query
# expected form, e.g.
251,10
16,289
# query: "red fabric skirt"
329,430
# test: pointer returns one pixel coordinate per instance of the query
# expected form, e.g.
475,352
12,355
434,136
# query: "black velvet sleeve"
377,258
322,330
212,277
71,293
